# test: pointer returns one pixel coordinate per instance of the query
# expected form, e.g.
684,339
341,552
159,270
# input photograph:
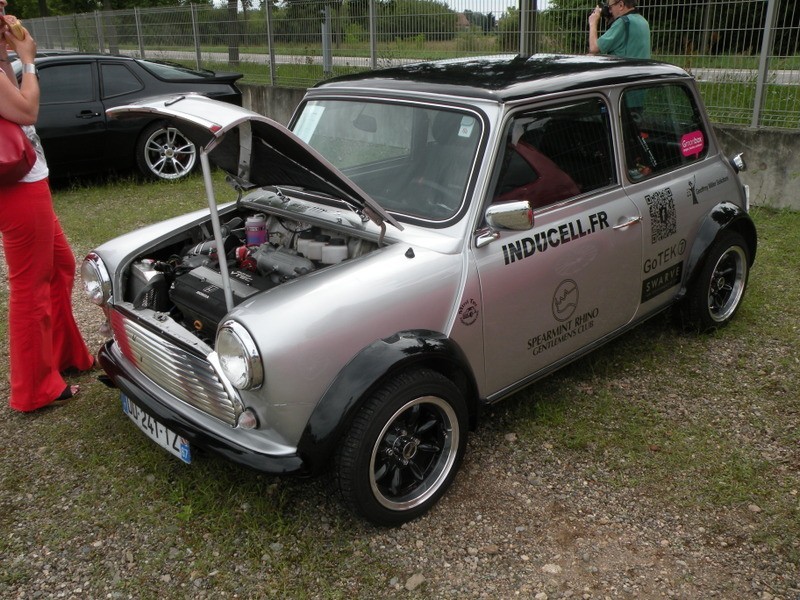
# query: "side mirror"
515,216
737,162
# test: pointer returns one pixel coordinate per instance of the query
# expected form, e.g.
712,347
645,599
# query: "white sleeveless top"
39,170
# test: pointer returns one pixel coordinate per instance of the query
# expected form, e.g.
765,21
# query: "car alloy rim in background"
727,284
414,453
168,154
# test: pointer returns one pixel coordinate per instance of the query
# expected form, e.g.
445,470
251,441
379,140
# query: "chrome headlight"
238,357
96,280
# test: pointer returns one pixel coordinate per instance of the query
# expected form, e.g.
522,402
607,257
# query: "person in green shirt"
628,35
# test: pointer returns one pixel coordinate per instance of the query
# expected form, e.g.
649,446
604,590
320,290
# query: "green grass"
94,211
704,424
649,407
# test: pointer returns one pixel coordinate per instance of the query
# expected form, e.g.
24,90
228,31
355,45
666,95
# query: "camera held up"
605,12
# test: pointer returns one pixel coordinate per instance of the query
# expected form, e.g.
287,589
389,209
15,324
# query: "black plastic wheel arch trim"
365,373
725,215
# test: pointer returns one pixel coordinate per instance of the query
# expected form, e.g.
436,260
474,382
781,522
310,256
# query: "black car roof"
75,54
504,78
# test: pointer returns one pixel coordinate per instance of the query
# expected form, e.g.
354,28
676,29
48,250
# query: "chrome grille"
185,375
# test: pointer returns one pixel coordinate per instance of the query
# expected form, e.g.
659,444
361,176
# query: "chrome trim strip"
191,378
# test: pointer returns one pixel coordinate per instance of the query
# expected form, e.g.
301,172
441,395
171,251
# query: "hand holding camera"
601,10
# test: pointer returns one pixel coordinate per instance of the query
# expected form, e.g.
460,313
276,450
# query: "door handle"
87,114
627,222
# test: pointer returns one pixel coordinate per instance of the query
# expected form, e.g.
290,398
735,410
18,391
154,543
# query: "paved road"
778,77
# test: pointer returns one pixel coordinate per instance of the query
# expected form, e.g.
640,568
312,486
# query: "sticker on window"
692,144
308,121
466,127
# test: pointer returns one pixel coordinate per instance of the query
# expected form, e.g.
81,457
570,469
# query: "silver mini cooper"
420,242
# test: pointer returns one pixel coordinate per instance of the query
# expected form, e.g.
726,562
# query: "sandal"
69,392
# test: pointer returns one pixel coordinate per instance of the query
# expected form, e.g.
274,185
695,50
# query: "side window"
554,153
66,83
662,130
118,80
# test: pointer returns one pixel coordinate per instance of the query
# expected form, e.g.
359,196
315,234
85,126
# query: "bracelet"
29,68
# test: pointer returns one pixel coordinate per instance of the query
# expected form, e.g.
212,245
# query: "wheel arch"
146,125
367,372
726,216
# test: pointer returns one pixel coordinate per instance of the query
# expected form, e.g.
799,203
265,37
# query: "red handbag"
17,155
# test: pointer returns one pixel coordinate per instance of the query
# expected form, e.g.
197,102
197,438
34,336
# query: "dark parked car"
424,242
78,138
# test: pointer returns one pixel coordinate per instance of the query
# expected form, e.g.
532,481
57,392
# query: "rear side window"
118,80
662,130
556,152
66,83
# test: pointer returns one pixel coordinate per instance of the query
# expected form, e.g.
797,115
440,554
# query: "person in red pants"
44,339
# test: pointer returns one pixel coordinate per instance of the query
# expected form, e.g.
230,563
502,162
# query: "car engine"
261,253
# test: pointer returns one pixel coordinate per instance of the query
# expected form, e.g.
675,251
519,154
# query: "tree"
485,22
508,29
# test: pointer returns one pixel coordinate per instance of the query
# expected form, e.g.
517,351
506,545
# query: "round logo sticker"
565,300
468,312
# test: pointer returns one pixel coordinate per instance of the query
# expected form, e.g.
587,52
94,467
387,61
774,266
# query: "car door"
549,292
673,177
72,121
120,85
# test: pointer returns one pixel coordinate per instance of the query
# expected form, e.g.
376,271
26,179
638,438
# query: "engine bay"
184,281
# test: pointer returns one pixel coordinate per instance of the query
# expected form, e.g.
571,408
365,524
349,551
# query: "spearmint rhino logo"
565,300
468,312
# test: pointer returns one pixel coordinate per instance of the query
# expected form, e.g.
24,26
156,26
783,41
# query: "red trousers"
43,336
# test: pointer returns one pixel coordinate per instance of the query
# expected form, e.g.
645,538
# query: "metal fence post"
61,35
98,19
196,36
47,41
270,43
139,36
763,62
373,41
327,55
527,27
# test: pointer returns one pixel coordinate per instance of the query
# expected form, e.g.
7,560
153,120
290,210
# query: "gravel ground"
541,522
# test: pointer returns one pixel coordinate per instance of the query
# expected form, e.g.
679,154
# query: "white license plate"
166,438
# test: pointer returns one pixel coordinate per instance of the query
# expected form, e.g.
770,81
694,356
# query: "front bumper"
197,435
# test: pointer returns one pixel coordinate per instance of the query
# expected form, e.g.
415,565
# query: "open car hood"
255,150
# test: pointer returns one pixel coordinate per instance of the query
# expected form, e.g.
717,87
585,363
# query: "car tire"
163,152
403,448
718,291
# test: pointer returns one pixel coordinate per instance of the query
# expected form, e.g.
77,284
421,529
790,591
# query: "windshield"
413,160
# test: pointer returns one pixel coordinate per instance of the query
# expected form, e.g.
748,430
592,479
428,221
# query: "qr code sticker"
664,221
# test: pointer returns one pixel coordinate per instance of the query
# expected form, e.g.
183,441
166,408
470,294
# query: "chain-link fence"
744,53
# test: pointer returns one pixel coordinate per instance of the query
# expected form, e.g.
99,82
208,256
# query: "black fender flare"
365,372
723,216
